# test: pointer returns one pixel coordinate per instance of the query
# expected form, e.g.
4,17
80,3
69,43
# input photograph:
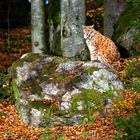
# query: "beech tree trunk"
72,19
38,25
112,11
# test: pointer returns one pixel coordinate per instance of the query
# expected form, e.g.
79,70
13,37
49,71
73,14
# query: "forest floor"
12,46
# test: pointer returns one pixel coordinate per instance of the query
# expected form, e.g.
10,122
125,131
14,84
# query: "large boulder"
127,30
50,90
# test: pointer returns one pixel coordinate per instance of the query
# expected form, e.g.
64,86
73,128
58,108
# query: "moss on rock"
91,70
127,29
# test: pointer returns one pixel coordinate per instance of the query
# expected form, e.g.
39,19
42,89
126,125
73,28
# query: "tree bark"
72,19
112,12
38,25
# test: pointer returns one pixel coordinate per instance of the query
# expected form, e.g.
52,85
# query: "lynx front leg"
93,53
93,56
92,50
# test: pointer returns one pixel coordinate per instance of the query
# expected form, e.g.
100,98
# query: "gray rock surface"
127,38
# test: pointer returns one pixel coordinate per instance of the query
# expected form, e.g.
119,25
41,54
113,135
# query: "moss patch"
61,78
15,90
31,57
90,99
32,85
90,70
47,109
18,63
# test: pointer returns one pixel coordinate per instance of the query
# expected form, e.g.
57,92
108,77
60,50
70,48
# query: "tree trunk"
112,11
72,19
38,25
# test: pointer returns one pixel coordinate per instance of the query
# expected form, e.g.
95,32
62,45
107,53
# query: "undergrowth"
132,76
129,128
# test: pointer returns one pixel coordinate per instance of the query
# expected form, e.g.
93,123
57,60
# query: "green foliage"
133,2
15,90
133,69
60,137
4,87
129,19
85,134
46,135
61,78
136,85
88,120
2,114
129,129
136,37
26,138
132,76
99,2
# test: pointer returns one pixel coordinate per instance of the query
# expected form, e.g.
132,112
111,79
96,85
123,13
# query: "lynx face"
100,47
88,31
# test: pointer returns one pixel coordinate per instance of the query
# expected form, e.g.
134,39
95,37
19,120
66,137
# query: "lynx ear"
92,26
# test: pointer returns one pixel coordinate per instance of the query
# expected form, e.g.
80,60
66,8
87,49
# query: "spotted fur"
100,47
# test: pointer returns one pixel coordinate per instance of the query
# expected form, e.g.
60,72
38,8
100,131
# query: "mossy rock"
127,30
50,90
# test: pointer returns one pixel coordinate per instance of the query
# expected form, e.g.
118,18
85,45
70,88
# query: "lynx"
100,47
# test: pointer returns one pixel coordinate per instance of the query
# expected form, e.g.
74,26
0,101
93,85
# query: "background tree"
38,25
65,19
112,11
72,19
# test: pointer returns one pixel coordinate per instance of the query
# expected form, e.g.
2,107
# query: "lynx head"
88,31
